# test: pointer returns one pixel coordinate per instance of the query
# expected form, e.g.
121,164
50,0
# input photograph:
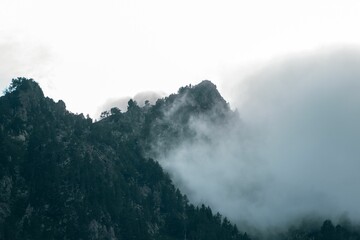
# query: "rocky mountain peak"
203,95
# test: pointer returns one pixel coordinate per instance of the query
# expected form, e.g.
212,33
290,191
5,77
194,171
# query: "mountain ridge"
65,177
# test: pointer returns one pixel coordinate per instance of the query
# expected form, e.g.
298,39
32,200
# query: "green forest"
67,176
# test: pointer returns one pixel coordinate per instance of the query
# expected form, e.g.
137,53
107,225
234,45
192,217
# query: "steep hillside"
64,177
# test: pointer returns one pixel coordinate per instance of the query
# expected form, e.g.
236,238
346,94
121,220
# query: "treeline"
327,231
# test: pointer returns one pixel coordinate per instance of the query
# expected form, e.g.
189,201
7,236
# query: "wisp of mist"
293,153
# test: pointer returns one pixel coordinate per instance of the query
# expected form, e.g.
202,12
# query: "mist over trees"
65,176
290,154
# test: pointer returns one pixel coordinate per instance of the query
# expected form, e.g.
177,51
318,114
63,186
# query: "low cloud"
122,103
293,153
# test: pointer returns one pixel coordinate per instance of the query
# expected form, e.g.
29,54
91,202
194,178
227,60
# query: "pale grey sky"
86,52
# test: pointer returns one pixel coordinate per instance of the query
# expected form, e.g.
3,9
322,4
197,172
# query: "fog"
122,103
294,151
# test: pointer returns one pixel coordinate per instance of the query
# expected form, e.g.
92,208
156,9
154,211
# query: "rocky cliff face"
64,177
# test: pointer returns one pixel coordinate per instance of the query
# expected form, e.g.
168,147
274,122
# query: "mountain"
63,176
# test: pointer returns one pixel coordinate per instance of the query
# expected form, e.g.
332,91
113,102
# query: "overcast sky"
86,52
